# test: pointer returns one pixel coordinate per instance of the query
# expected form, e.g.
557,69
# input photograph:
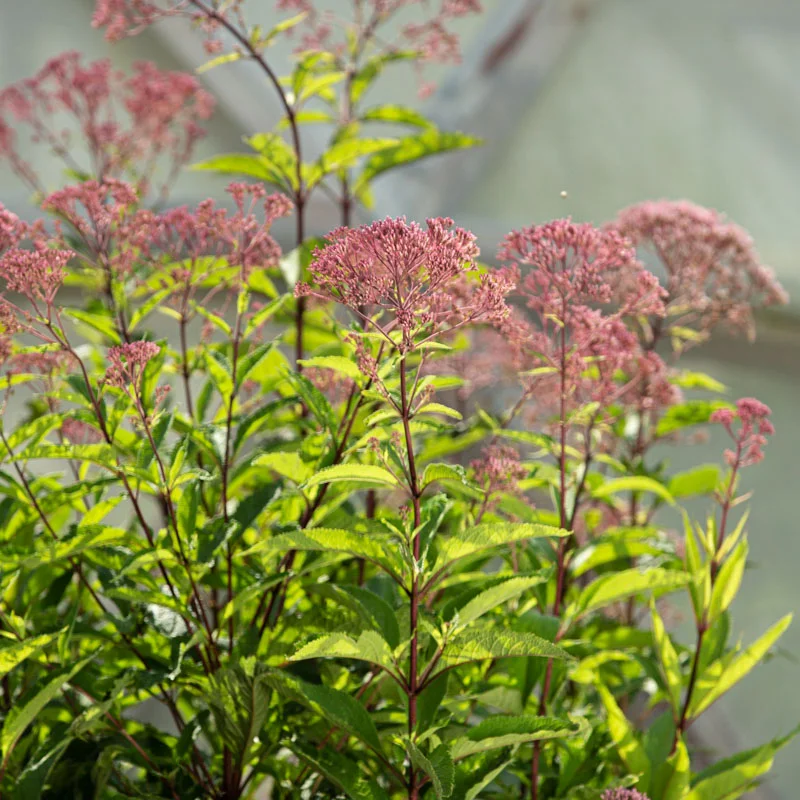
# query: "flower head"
750,435
499,469
409,273
713,273
623,794
127,124
128,362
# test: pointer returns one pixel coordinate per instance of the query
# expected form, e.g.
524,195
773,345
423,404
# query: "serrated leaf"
340,364
608,549
484,537
340,771
724,674
370,646
493,598
438,766
443,472
288,465
352,473
20,717
225,58
370,547
483,644
397,115
497,732
438,408
338,708
616,586
731,777
252,166
14,654
411,149
700,480
632,483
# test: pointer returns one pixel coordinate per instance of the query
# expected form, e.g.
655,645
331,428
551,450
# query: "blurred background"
586,106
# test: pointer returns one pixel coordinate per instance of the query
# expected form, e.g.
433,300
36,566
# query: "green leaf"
102,323
700,480
239,702
265,314
344,366
697,380
379,613
692,412
396,115
370,547
731,777
624,738
670,780
484,537
616,586
668,658
728,581
438,408
225,58
340,771
247,164
494,598
348,152
611,547
30,783
483,644
410,149
288,465
443,472
724,674
338,708
370,646
20,717
497,732
14,654
632,483
220,373
438,766
352,473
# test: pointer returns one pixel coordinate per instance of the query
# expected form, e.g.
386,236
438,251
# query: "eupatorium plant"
256,551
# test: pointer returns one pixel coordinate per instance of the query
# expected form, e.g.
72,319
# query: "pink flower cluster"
750,435
127,123
241,239
408,273
713,273
623,794
582,284
431,37
499,469
128,362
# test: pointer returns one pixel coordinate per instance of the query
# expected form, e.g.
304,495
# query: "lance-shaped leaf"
338,708
497,732
288,465
484,537
372,547
352,473
412,148
20,716
732,777
370,646
14,654
340,771
616,586
340,364
726,672
608,549
483,644
630,750
438,766
632,483
494,597
668,659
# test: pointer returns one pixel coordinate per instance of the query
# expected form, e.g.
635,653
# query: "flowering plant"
289,548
